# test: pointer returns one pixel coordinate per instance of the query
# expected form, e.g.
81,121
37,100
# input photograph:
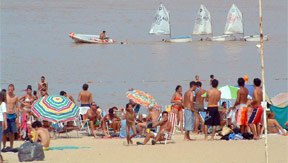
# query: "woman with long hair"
178,106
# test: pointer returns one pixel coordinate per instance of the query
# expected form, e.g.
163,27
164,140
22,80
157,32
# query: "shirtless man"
41,134
199,106
63,93
42,84
211,79
103,35
165,127
241,102
12,115
255,117
113,119
93,115
151,119
85,97
212,117
189,110
197,79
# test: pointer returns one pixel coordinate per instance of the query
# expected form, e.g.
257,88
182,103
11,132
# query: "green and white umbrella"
227,92
55,109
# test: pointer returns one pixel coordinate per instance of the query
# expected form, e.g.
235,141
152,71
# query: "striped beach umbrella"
55,109
142,98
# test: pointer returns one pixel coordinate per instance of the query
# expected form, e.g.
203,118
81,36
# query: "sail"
203,25
234,22
161,24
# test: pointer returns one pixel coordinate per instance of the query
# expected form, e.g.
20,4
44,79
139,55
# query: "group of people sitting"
135,122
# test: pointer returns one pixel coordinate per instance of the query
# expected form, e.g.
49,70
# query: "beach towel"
123,133
281,115
65,147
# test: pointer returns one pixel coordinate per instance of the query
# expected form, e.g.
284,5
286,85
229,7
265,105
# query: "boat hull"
222,38
179,39
92,39
254,38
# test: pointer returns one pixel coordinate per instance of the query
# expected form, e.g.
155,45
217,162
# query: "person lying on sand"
165,127
41,134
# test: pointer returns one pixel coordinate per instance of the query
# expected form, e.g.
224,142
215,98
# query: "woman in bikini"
273,126
26,120
178,106
130,122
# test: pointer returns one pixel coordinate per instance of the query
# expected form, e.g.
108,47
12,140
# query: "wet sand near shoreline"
107,150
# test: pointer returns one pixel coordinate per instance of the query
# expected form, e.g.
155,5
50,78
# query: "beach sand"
107,150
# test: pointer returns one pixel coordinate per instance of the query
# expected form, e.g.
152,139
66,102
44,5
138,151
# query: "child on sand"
41,134
130,122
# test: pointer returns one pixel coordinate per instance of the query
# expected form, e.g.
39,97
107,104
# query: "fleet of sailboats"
203,26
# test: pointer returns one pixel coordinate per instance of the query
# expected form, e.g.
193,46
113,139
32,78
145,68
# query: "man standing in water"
85,97
42,84
12,117
199,106
256,115
189,109
212,117
241,102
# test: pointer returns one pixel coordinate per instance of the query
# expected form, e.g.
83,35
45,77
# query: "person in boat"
103,36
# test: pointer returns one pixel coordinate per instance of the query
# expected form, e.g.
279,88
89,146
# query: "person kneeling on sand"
41,135
165,127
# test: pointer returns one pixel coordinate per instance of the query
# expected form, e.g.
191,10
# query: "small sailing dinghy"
161,26
254,38
203,23
234,25
83,38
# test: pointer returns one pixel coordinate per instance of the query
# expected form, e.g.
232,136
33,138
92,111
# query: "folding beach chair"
109,130
60,129
172,120
84,121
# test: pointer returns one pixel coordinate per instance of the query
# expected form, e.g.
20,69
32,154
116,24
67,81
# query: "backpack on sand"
31,151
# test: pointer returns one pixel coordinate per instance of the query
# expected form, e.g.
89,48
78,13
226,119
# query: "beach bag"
31,151
226,131
247,135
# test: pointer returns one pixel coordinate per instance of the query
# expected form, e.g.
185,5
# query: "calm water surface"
35,42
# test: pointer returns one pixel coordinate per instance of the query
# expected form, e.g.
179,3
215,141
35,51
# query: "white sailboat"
234,25
203,23
161,26
254,38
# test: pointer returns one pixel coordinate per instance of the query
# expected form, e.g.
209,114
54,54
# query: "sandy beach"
107,150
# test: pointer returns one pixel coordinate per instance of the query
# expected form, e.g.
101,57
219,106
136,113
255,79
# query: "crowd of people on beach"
18,122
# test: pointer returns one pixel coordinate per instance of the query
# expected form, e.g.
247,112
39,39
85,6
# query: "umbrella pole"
263,79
